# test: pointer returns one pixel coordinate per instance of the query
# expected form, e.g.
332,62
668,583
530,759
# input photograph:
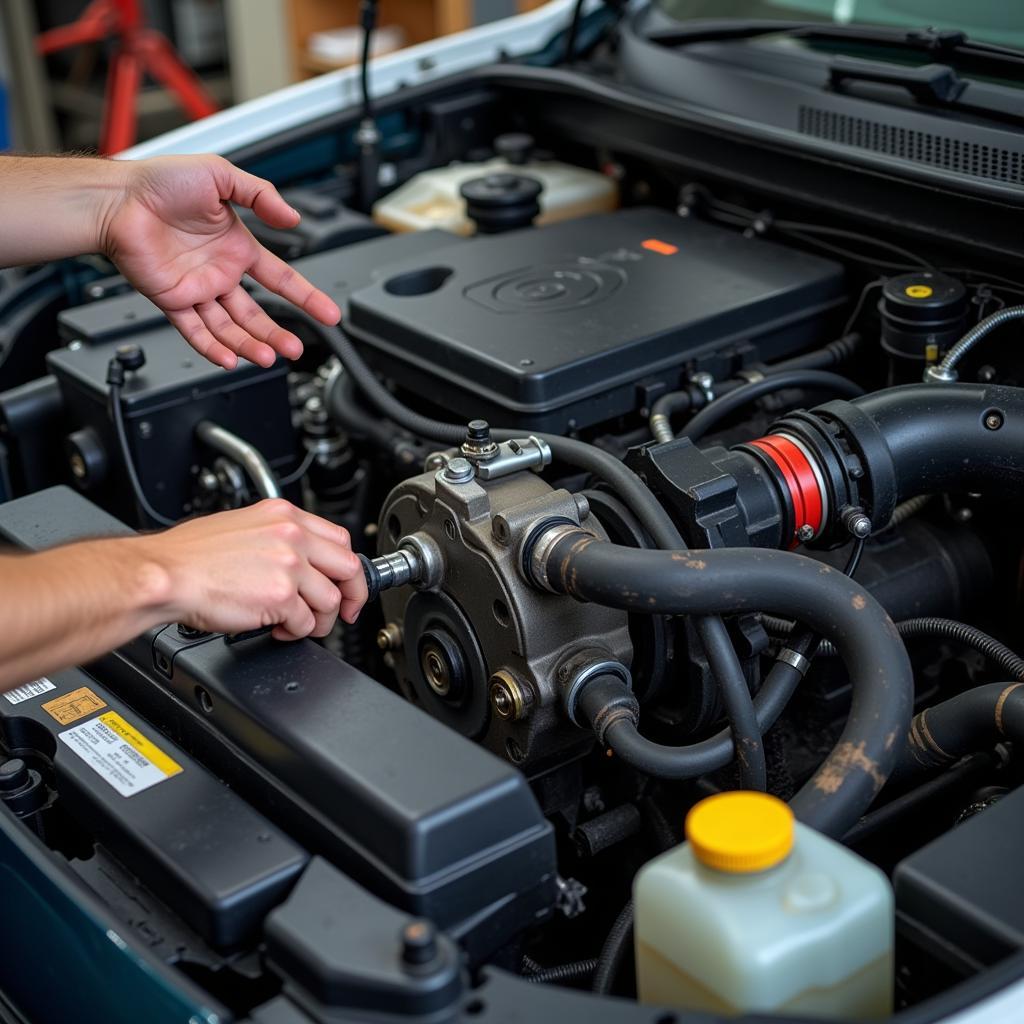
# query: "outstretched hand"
175,237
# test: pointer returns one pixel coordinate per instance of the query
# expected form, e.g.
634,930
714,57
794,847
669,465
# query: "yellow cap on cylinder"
740,831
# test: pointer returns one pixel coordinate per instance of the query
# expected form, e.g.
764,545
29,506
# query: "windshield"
991,21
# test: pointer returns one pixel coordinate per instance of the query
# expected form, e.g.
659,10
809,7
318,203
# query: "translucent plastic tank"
431,199
755,912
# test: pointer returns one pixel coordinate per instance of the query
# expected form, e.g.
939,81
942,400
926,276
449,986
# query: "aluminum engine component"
480,648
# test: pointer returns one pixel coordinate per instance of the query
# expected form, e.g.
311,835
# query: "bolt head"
805,533
419,942
993,421
508,697
459,471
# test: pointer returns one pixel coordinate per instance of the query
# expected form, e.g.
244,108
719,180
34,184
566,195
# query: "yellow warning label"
150,751
74,705
919,291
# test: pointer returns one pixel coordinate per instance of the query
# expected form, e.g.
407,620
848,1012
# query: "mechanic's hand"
267,565
174,236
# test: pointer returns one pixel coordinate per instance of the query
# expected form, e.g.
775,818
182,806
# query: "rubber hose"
712,415
834,352
937,438
739,707
731,580
964,724
616,948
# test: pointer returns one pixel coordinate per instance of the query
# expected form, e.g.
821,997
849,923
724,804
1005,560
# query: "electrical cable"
712,415
573,33
117,415
934,628
368,135
299,472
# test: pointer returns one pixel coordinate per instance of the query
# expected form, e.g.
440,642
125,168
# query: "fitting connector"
596,691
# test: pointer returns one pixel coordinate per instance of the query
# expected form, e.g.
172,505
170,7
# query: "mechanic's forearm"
69,605
55,207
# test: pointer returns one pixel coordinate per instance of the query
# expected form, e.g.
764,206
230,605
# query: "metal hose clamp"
588,671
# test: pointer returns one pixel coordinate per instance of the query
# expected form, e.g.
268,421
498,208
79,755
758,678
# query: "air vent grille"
963,157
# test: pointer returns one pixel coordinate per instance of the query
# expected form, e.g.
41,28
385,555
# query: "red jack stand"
139,50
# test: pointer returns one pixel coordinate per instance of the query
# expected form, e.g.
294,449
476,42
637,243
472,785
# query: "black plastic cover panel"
546,325
960,897
196,845
412,810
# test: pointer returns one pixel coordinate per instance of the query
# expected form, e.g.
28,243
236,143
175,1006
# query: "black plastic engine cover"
421,816
554,328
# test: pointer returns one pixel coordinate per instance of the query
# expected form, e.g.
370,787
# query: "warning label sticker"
120,753
29,690
70,707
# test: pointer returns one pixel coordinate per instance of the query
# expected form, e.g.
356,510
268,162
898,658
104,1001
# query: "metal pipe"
245,454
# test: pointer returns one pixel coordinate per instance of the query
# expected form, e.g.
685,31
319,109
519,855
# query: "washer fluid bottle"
758,913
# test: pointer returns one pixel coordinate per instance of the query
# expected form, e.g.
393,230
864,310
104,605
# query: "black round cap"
502,202
924,298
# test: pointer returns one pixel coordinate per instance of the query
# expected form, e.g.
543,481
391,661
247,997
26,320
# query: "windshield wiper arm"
940,44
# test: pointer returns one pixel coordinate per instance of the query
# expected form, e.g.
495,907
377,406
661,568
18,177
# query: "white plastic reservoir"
431,199
755,912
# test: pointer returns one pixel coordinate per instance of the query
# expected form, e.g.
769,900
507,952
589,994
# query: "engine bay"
710,491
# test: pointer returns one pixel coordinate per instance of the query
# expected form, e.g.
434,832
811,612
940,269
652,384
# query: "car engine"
708,491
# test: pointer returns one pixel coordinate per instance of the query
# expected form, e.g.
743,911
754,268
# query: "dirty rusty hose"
726,581
965,724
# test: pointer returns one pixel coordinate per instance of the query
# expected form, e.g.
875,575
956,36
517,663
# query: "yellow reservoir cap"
740,832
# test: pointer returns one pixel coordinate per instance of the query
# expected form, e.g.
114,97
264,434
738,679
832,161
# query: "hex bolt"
458,471
509,698
419,943
993,420
390,637
805,533
856,522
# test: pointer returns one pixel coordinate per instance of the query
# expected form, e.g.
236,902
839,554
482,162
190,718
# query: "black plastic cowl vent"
931,148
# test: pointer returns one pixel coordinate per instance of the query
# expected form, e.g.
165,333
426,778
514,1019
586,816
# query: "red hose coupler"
806,490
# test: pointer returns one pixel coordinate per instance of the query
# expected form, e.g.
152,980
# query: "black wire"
574,31
822,229
712,415
368,19
300,472
129,465
860,304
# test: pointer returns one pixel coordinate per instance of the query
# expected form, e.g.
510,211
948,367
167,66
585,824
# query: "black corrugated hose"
616,948
578,970
933,628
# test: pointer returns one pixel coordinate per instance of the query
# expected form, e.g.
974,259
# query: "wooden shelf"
420,19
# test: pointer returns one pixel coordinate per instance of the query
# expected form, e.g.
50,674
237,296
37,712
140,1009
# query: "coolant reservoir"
757,913
431,199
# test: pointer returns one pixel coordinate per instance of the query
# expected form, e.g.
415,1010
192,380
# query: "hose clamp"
794,659
591,670
705,383
537,549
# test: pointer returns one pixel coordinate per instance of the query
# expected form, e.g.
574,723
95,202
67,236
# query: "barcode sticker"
30,690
